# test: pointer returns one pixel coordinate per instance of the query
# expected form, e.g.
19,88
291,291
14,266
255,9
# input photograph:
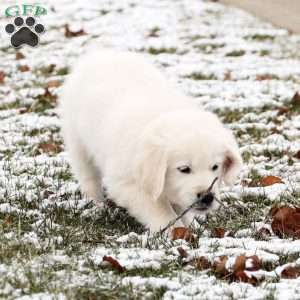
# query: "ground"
53,239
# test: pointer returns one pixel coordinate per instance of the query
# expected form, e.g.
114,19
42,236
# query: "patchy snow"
53,239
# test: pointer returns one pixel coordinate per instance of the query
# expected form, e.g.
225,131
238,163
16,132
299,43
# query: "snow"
243,69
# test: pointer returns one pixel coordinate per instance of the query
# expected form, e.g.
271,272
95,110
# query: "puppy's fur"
127,128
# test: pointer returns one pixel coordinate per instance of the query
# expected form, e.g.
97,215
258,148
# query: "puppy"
155,150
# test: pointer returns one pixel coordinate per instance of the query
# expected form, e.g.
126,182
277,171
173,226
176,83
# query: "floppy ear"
151,165
233,162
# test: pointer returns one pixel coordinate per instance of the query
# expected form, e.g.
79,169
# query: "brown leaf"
264,233
49,148
23,68
201,263
219,265
283,110
239,264
227,75
19,55
218,232
114,263
254,261
265,77
70,34
270,180
53,83
290,272
297,155
286,221
244,277
8,220
2,77
182,252
296,100
182,233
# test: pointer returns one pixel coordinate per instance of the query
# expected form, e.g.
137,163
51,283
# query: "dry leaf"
70,34
290,272
23,68
53,83
182,233
8,220
201,263
114,263
297,155
2,76
182,252
19,55
245,277
264,233
286,221
265,77
252,263
49,148
239,264
296,100
283,110
219,265
270,180
218,232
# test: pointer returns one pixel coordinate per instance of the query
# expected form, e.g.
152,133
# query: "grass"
50,233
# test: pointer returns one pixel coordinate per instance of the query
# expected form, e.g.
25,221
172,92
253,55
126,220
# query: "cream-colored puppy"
154,149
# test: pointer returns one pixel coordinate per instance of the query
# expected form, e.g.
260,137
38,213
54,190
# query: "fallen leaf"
53,83
270,180
219,265
2,76
252,263
265,77
296,100
297,155
239,264
218,232
182,233
114,263
246,277
263,233
49,148
286,221
182,252
19,55
8,220
70,34
201,263
290,272
227,75
23,68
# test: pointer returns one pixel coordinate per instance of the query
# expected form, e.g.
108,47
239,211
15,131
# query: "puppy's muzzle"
204,201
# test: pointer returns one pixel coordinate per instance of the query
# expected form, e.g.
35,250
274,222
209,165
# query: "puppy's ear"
151,165
232,161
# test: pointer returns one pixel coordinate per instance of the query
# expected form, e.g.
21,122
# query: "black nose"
206,200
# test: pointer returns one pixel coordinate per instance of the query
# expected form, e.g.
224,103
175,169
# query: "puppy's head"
180,155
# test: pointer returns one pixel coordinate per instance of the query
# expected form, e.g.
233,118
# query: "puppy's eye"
215,167
184,169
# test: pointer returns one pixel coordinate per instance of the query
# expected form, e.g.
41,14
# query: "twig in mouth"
171,223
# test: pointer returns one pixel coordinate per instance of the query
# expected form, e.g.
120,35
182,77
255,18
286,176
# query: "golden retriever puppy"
154,149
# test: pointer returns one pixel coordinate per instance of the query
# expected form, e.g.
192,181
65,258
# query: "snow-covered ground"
52,240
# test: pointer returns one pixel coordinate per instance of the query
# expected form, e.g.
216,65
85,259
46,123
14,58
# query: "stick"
171,223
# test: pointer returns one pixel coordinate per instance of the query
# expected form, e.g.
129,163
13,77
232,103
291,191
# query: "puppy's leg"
85,171
155,215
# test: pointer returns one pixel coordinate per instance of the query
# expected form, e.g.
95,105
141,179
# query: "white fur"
127,128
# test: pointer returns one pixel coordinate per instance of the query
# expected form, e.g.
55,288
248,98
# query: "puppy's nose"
206,201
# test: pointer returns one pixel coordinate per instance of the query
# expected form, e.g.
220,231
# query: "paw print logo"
24,33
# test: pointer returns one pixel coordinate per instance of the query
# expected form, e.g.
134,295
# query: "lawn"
53,239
